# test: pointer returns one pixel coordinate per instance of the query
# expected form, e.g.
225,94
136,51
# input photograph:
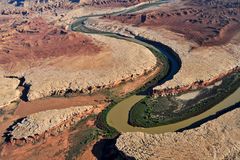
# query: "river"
118,116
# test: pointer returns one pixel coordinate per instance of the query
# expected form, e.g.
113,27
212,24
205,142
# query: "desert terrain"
218,42
43,67
59,83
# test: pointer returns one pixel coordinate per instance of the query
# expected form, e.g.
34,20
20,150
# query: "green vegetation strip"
81,136
151,112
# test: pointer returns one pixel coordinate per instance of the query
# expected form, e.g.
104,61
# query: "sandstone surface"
9,91
54,61
86,74
215,139
38,123
206,23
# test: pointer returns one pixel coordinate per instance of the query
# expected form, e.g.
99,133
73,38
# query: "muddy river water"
118,115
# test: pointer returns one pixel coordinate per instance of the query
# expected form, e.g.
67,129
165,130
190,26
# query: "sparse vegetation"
81,136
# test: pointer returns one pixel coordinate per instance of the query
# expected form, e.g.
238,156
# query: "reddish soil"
5,124
3,20
90,123
53,148
34,40
206,22
38,150
87,154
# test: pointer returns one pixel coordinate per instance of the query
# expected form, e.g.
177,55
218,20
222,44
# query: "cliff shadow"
6,135
174,61
106,149
209,118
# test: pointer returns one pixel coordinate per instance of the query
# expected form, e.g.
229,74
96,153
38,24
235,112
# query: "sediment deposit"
213,140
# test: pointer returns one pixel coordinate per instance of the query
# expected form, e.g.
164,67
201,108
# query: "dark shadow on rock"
7,136
212,117
17,2
75,1
24,96
174,61
25,91
22,83
105,149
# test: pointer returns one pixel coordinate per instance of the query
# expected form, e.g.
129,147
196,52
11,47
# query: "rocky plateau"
43,52
9,90
45,123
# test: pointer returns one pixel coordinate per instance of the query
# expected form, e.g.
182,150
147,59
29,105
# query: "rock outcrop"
114,3
25,7
55,61
213,140
88,74
30,6
45,123
195,85
9,91
205,23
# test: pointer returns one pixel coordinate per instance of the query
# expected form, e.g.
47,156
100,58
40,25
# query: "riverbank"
83,25
122,126
163,110
216,139
215,59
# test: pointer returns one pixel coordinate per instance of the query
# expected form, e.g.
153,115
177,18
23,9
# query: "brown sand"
26,108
